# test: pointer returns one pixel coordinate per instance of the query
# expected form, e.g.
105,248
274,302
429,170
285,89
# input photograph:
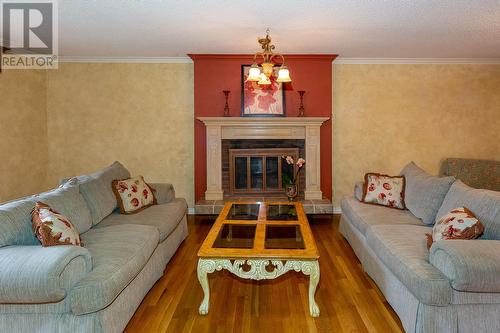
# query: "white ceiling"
350,28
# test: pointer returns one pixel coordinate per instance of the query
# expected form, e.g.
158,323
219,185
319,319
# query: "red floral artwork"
262,99
134,202
145,193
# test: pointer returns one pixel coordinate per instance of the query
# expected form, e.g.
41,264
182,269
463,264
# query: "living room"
203,166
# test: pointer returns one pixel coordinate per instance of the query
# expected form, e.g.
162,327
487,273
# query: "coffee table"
260,240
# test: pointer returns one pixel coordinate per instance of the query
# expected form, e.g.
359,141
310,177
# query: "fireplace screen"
260,170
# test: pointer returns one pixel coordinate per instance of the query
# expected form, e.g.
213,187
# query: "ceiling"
350,28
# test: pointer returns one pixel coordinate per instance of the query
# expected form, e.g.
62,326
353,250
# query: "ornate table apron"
258,271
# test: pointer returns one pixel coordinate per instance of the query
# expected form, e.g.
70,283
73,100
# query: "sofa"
95,288
454,286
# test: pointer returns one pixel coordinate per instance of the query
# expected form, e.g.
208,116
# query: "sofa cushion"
15,216
362,216
164,217
67,200
164,192
424,193
97,191
358,190
118,254
15,223
403,249
484,203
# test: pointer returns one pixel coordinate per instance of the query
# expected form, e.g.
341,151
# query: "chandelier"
262,77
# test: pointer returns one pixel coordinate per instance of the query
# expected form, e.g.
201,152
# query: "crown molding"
128,60
338,61
246,57
423,61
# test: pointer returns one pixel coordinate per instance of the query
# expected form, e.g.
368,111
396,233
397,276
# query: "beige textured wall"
142,115
139,114
388,115
23,133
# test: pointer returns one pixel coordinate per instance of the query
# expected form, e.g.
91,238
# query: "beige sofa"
96,288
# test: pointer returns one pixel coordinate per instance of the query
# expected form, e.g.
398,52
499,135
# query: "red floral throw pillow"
52,228
133,195
460,223
384,190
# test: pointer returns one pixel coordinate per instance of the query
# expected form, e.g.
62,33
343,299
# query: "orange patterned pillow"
52,228
384,190
459,223
133,195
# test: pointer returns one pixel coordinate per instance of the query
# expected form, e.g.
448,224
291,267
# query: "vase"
291,192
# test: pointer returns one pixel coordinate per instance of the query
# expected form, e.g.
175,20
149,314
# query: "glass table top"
260,230
236,236
243,212
283,237
281,212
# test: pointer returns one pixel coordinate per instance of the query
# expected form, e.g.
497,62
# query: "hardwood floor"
348,299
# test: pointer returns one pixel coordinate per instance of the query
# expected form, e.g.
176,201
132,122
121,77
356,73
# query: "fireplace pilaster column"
313,168
214,163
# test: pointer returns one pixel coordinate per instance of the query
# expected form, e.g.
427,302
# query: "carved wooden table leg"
312,269
205,266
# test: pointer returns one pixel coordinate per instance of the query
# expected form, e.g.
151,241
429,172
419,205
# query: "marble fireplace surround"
266,128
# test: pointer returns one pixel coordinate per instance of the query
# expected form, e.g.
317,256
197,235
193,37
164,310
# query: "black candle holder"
226,107
301,107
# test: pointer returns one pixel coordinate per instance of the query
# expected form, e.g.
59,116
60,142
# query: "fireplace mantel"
221,128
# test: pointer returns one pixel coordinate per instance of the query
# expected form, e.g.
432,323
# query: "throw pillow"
424,193
459,223
133,195
384,190
52,228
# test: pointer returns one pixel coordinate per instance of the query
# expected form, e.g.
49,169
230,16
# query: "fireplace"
253,133
256,167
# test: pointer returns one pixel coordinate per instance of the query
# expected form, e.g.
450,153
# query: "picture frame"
261,101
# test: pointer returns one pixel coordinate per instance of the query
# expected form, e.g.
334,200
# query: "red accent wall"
214,73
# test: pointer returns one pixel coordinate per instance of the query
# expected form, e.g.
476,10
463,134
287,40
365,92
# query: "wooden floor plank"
349,300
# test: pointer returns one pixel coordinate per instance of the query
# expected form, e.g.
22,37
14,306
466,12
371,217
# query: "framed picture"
261,100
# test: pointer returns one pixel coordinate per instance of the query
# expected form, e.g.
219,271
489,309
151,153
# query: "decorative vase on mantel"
291,192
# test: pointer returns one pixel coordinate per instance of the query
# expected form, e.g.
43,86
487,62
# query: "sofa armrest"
470,265
164,192
35,274
358,190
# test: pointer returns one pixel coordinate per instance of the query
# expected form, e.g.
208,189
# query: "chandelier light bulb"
264,80
254,73
283,75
